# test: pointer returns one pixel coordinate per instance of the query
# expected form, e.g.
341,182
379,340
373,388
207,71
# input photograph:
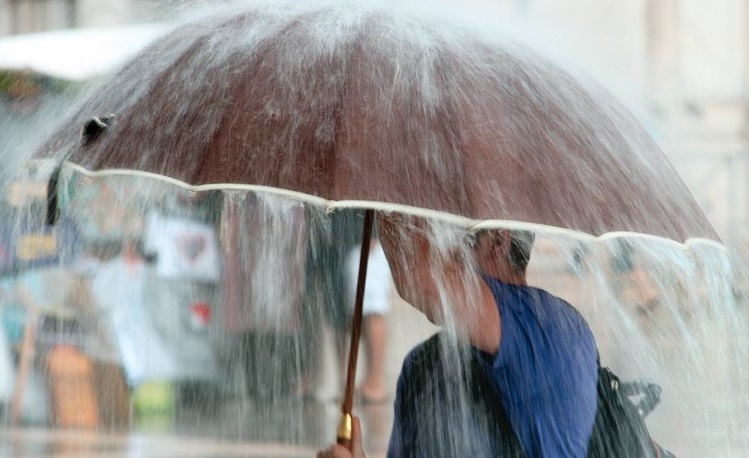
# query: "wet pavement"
237,429
289,429
81,444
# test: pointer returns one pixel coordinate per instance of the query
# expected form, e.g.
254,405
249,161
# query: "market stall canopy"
76,55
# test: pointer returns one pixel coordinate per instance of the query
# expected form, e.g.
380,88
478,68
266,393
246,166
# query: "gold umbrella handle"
345,426
345,430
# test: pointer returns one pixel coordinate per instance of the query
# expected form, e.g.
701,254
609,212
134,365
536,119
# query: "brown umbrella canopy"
355,103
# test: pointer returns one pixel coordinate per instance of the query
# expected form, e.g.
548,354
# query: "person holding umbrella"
532,360
359,106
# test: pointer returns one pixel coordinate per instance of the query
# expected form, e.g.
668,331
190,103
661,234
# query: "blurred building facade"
29,16
682,64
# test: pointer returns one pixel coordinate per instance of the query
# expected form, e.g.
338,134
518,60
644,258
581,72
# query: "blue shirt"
541,384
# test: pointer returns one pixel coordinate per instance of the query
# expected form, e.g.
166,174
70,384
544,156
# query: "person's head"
421,266
132,250
504,254
426,268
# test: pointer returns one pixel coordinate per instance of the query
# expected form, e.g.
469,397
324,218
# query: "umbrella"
381,109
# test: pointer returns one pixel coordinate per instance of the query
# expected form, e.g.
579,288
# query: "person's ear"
495,242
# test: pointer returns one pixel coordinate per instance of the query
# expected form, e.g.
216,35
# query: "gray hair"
521,247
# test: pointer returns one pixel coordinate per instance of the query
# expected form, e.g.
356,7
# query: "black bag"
619,429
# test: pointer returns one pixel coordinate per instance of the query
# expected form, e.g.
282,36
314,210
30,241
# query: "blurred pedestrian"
331,238
264,245
377,295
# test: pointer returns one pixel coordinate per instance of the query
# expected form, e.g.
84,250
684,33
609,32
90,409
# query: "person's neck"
485,332
507,275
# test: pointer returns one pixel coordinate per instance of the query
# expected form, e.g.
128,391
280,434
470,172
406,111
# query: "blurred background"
681,65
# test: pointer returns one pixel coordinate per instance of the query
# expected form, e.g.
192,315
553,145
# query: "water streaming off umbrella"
201,312
659,310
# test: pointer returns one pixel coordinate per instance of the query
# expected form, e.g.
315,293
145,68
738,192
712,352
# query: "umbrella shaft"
348,399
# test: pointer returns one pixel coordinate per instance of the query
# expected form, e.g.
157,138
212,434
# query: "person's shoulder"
541,297
565,320
550,311
424,352
561,306
422,361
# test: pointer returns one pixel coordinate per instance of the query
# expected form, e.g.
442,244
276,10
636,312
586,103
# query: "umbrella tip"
94,127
